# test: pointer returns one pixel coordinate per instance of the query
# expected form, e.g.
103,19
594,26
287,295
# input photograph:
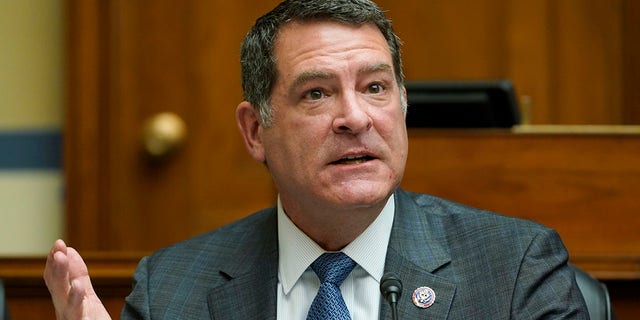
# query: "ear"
251,130
404,101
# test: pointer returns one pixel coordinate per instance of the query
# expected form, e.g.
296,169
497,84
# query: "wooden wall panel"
82,143
530,57
587,61
565,57
129,60
631,62
451,39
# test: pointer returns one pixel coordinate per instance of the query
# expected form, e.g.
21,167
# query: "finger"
77,303
78,272
56,269
83,303
77,294
58,247
56,276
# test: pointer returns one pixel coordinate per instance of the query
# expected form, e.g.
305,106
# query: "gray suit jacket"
479,264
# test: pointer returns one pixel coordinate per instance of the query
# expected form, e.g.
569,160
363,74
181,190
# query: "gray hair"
257,58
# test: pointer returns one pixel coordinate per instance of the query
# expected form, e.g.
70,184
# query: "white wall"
31,99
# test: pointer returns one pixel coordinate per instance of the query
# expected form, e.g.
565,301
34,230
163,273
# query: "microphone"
391,289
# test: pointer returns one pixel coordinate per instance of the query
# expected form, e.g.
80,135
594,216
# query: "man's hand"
67,278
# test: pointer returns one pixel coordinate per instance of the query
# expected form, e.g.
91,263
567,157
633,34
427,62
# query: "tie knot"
333,267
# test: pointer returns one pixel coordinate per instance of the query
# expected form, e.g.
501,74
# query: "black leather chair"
4,309
595,294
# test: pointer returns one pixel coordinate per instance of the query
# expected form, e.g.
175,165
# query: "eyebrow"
311,75
373,68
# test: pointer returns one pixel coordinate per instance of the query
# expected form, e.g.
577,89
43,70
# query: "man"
324,110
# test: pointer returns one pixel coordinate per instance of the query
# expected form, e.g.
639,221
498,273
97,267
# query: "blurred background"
32,67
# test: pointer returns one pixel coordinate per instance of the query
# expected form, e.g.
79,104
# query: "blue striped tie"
332,269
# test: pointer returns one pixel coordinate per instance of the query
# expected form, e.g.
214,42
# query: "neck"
333,229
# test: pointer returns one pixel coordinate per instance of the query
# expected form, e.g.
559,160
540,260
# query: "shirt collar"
297,251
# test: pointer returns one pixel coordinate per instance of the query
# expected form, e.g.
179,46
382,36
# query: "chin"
363,197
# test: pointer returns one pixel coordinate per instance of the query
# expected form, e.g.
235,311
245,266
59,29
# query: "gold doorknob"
162,134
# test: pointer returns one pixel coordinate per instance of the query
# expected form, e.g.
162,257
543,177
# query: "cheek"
294,144
391,125
393,131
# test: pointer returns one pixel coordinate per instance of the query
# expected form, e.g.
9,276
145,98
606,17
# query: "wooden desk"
28,297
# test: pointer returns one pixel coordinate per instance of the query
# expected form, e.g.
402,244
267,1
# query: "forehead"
323,41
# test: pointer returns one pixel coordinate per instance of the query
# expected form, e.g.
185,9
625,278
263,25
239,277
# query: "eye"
314,94
375,88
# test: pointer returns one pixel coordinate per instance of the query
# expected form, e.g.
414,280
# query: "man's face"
338,138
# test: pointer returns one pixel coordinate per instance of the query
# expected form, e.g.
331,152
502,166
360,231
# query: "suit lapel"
250,292
250,296
417,254
414,277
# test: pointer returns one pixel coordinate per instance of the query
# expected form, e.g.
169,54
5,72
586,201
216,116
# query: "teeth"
356,160
353,159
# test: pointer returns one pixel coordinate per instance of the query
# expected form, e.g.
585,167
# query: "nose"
352,116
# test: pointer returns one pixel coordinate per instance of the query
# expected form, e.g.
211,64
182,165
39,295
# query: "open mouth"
353,160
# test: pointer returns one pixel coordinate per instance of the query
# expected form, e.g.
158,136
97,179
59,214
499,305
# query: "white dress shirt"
298,284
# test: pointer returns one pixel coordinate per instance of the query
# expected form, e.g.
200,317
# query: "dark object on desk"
462,104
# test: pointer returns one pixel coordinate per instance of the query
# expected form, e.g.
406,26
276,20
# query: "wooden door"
128,61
